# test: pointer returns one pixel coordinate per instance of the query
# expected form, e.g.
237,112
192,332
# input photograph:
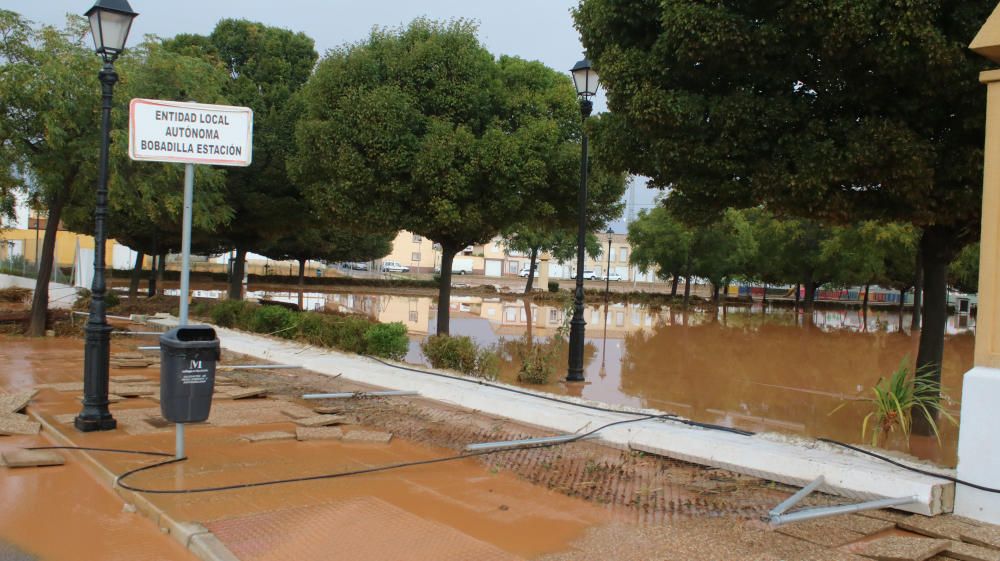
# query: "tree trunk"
40,299
161,271
133,282
864,310
810,298
715,293
236,275
798,288
935,248
448,253
528,335
864,302
902,300
302,273
687,290
763,297
531,271
673,286
918,292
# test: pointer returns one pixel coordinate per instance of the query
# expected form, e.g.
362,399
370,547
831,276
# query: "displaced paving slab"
820,532
15,423
297,412
900,548
243,393
268,436
970,552
133,390
130,379
368,436
319,433
328,410
321,420
15,402
885,514
944,527
861,524
32,458
986,536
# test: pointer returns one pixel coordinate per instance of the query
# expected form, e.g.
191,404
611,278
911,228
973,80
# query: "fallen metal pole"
137,333
109,317
823,512
348,395
796,498
525,442
156,348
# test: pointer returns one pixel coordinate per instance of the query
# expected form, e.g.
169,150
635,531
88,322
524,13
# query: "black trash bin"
187,373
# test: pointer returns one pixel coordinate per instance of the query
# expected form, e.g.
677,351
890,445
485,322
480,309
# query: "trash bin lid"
190,335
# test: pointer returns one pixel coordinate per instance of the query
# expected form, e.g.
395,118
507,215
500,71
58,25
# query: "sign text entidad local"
190,133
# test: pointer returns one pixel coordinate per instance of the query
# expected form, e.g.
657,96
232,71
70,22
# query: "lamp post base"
92,424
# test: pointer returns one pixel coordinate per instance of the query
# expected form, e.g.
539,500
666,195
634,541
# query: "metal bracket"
777,517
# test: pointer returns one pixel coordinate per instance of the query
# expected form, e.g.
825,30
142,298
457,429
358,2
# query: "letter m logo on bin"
195,365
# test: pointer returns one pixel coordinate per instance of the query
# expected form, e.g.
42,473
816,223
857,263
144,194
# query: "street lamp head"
585,79
110,22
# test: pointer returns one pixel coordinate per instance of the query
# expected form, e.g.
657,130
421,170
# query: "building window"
417,238
554,316
612,254
513,267
413,316
415,256
623,255
620,319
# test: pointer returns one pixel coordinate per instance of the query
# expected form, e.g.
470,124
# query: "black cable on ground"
118,450
120,480
669,416
910,468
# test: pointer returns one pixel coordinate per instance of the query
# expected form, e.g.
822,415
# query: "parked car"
526,271
358,266
588,275
612,276
394,267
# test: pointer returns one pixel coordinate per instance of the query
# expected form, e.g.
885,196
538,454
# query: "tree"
964,271
146,199
49,99
266,65
661,242
844,113
422,128
722,249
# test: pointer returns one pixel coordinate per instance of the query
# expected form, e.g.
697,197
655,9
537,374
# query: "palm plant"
895,401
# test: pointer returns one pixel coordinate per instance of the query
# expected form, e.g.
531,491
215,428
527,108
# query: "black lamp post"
110,22
586,82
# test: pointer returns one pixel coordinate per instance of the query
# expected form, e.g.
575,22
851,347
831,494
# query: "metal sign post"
189,133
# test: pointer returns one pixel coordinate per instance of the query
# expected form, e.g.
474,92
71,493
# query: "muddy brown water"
760,369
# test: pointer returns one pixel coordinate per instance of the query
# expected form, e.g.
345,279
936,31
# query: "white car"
394,267
614,277
587,275
526,271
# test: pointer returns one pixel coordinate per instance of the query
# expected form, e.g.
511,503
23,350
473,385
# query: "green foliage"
964,271
872,253
538,361
895,401
662,242
274,320
461,354
553,286
232,313
387,340
83,297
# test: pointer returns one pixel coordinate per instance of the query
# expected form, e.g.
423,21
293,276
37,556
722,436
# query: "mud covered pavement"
577,501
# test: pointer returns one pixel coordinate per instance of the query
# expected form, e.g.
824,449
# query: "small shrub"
83,297
348,333
232,313
387,340
538,361
553,286
314,329
275,320
461,354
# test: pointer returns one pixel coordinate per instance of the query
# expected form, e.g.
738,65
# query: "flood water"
759,369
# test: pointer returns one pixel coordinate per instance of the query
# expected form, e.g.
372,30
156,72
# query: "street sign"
190,133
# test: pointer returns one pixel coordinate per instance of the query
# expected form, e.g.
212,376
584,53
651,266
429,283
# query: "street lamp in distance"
110,23
607,273
586,81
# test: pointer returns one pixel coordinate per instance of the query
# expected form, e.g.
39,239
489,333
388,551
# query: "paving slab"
243,393
15,402
944,527
32,458
319,433
321,420
328,410
297,412
267,436
15,423
861,524
62,386
131,379
900,548
133,390
886,514
970,552
368,436
986,536
820,532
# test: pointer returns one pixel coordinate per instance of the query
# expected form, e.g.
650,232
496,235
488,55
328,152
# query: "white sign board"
190,133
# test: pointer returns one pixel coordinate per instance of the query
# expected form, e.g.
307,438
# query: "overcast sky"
531,29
